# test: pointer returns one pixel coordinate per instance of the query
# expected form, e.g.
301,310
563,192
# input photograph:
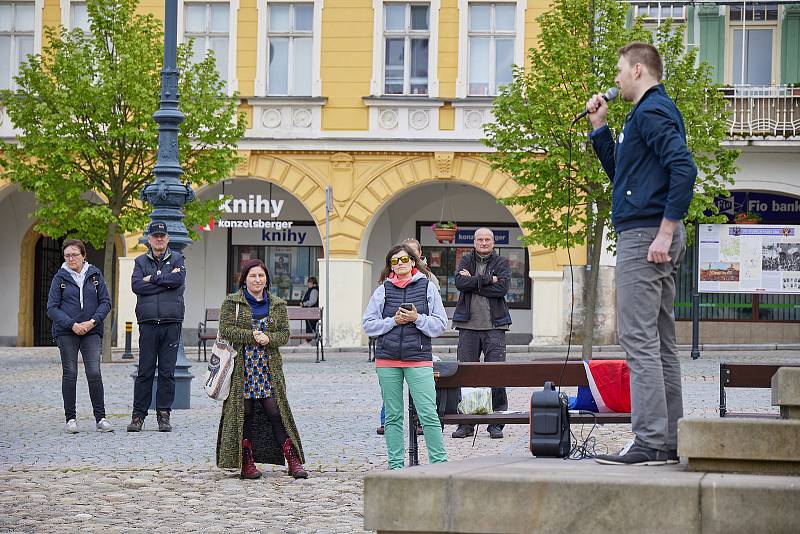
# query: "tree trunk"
590,288
108,274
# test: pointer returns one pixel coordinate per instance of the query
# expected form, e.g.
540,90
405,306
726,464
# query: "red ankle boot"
248,465
295,467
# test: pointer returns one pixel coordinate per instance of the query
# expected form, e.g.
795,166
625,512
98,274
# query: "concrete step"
741,445
524,494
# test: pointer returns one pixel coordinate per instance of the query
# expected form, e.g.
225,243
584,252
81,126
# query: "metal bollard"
128,355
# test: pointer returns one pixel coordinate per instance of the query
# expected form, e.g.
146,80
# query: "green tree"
553,160
87,141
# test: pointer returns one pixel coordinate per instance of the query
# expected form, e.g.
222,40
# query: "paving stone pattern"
153,482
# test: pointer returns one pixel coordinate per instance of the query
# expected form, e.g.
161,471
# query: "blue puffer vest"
405,342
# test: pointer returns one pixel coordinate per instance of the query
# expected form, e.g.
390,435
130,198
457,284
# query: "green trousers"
421,385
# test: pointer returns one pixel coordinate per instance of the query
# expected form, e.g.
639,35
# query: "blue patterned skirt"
257,378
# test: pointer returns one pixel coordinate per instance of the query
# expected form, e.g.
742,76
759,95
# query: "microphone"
610,95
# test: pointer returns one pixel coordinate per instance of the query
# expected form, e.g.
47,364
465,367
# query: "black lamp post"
167,194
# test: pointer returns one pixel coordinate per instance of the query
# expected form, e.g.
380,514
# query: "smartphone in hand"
407,306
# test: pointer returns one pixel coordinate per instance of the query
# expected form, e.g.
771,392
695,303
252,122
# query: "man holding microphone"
653,177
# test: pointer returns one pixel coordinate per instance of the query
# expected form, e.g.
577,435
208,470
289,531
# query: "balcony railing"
763,111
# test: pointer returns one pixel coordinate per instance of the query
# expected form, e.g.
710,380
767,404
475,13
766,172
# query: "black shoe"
463,431
163,421
634,455
380,430
495,431
136,424
672,456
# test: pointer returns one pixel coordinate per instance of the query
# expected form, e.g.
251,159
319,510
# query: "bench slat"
298,313
750,375
514,374
523,418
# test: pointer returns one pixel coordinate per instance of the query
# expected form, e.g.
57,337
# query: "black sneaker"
136,424
163,421
672,456
633,454
463,431
380,430
495,431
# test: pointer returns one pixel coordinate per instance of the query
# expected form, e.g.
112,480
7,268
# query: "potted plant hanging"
749,217
445,231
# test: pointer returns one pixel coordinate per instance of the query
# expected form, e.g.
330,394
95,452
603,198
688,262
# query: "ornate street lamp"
167,194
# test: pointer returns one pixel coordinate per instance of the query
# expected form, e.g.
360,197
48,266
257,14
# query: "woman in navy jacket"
77,304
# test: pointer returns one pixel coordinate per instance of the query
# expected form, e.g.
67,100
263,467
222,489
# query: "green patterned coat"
238,331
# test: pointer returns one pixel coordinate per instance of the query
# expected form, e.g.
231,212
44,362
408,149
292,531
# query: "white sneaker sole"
108,430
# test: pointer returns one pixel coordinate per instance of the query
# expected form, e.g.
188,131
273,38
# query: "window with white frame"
16,39
290,39
491,33
406,35
207,23
656,13
754,28
78,16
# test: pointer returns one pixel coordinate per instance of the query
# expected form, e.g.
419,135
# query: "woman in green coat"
256,423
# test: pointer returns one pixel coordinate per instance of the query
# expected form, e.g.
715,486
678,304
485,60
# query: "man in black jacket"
482,316
159,279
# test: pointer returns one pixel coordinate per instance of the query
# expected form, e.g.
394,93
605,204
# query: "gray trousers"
646,322
493,345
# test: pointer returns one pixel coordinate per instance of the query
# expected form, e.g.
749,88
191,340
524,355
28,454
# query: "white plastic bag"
475,401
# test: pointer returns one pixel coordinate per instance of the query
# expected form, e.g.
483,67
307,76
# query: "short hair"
412,241
74,243
250,264
312,279
646,54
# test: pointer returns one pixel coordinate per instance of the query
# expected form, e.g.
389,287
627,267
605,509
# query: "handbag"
217,382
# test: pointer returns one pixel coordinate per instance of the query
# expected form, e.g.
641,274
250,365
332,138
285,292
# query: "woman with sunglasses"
404,313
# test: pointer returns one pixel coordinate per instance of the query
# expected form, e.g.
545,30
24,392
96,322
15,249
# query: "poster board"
749,258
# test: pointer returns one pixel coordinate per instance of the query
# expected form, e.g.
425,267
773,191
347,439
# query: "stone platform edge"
524,494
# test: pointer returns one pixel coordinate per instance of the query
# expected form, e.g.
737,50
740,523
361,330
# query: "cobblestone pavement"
151,482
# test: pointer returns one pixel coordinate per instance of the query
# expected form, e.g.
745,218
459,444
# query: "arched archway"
407,208
260,219
40,258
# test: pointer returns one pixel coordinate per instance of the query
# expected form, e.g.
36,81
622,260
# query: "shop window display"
444,260
289,267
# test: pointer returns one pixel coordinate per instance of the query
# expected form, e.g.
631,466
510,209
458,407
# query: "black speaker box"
550,423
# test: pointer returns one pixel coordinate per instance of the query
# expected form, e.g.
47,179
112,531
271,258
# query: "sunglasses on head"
401,259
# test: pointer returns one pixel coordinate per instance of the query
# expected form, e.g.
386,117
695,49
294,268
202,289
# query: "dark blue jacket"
64,301
161,299
482,285
405,342
650,166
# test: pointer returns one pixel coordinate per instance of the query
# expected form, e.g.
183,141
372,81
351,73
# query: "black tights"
273,414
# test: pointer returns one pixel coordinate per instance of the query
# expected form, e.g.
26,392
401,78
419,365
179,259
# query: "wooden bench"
512,374
298,313
450,333
206,334
746,375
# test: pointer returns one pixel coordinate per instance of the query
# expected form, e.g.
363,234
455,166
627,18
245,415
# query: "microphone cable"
586,447
569,254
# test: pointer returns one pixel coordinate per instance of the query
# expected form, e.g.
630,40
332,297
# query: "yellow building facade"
381,102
